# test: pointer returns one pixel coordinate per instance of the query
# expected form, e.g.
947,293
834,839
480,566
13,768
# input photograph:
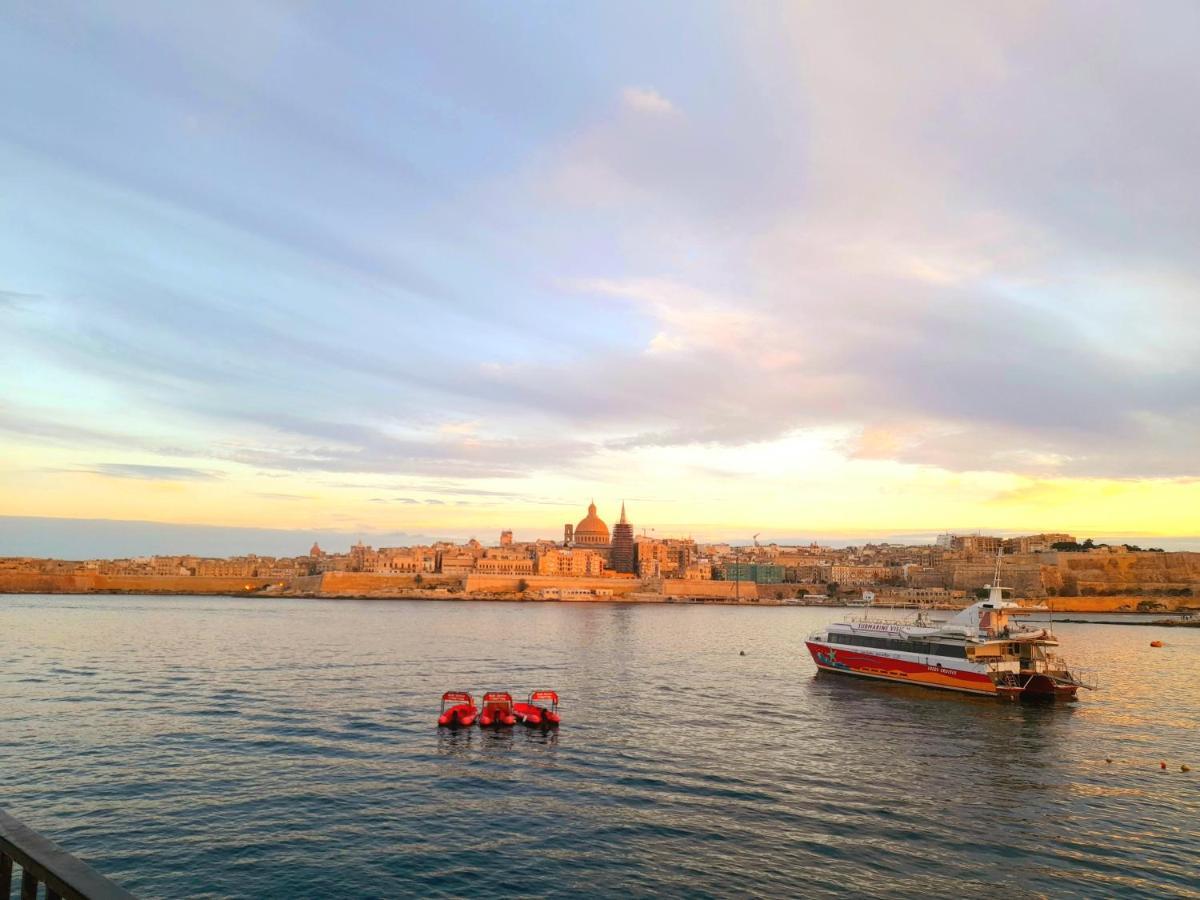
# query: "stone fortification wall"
728,590
508,584
1025,577
1140,571
305,584
1039,575
34,583
1116,604
358,584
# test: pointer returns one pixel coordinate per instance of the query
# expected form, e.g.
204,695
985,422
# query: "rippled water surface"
193,747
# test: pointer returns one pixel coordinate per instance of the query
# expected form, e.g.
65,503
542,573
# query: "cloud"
647,100
151,473
971,248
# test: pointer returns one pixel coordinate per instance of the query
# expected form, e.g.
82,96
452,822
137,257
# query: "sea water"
220,747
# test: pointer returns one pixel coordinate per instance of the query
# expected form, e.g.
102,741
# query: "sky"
794,269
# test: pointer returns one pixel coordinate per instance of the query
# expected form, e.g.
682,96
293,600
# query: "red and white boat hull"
858,661
946,675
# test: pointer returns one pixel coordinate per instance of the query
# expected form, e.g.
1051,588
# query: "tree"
419,579
831,589
522,586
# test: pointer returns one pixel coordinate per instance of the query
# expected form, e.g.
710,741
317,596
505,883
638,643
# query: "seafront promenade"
535,589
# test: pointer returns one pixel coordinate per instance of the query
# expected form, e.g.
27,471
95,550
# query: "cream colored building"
504,564
576,561
852,576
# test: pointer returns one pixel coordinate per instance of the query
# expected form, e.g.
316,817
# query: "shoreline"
632,598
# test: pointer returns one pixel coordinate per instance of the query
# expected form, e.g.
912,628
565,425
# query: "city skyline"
878,271
100,538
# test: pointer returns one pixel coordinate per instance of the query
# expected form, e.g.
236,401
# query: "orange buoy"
1185,768
1156,643
1163,765
1108,759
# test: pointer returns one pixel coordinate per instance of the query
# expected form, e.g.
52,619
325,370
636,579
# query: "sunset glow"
935,274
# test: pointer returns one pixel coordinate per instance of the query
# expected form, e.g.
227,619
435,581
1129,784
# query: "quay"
43,862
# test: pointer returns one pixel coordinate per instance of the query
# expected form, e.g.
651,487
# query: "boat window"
957,651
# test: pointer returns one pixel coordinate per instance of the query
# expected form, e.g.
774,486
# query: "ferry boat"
978,651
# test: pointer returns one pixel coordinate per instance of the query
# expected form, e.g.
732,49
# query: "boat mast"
996,578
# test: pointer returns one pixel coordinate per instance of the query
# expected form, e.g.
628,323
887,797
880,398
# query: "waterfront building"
652,558
621,558
856,576
591,532
1036,543
575,561
452,563
977,543
567,593
504,564
397,561
506,538
759,573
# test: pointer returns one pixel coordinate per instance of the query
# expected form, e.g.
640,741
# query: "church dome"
591,530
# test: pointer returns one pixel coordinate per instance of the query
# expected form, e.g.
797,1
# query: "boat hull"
1043,689
853,661
460,716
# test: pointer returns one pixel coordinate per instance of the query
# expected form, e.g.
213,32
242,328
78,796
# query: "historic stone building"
591,533
621,557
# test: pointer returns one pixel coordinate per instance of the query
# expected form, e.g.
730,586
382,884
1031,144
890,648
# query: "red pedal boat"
462,711
532,714
497,710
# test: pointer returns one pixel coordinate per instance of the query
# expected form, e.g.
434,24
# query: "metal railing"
43,862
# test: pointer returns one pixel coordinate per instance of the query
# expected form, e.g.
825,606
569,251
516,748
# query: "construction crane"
756,544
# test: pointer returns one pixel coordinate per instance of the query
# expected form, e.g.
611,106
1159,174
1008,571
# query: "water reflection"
682,767
455,741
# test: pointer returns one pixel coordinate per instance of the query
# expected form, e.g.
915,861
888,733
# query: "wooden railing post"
5,876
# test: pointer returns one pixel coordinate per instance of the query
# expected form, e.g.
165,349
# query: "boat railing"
1055,665
43,862
1087,678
